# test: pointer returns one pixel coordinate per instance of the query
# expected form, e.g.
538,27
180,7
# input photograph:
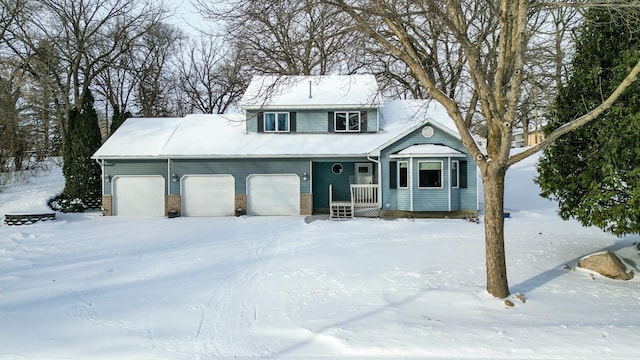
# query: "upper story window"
347,121
276,122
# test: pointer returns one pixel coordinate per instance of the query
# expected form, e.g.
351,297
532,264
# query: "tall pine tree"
81,173
118,119
594,172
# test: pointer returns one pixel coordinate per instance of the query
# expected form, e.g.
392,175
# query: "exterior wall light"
174,177
305,177
107,178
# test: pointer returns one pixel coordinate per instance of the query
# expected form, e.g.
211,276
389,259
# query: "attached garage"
273,194
208,195
138,195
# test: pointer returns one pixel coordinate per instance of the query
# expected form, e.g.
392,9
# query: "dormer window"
347,121
276,122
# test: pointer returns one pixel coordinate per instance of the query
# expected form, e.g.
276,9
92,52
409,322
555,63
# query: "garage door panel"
208,195
273,194
138,195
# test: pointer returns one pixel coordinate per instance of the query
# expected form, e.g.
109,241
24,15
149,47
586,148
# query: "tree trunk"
493,185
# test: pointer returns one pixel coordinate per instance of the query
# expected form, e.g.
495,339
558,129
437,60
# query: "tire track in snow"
232,309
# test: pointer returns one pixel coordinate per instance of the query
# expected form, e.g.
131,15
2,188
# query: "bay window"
430,174
403,174
454,174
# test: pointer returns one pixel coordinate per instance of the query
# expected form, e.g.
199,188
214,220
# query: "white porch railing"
363,196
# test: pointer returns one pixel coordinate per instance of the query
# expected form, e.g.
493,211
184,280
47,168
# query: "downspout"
168,176
377,162
102,171
449,185
311,178
311,185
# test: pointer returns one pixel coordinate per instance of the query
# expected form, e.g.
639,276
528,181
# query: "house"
305,145
534,136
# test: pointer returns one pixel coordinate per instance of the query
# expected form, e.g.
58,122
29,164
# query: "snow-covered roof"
224,136
140,137
428,150
309,92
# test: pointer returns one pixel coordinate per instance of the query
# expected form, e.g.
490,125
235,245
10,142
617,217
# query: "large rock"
607,264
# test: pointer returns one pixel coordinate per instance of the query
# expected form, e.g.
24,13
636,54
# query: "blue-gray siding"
313,121
133,167
241,169
428,199
323,176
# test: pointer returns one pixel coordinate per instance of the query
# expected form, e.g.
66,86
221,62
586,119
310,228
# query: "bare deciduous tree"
87,36
13,147
10,11
116,85
153,59
291,37
493,39
212,76
548,56
43,97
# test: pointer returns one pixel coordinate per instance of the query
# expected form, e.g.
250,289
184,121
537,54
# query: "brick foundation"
241,202
107,205
306,204
173,202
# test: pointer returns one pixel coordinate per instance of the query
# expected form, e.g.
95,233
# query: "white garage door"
273,195
208,195
138,195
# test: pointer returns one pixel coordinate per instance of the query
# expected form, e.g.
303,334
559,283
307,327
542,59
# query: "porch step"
341,211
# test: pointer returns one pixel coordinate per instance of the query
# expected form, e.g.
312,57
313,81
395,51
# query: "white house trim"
428,150
411,184
449,183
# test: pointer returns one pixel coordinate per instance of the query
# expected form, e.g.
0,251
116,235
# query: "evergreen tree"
117,120
594,172
81,173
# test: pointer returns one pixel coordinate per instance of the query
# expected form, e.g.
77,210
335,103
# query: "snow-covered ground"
93,287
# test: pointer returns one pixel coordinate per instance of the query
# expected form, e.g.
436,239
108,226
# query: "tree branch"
572,125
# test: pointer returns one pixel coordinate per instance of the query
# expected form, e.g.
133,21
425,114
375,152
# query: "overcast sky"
186,16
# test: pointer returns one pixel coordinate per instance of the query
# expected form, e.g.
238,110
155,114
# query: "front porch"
365,202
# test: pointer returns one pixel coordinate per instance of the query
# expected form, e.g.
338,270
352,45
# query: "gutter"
279,107
232,157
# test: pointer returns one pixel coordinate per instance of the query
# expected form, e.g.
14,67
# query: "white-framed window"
455,173
347,121
430,174
276,122
403,174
